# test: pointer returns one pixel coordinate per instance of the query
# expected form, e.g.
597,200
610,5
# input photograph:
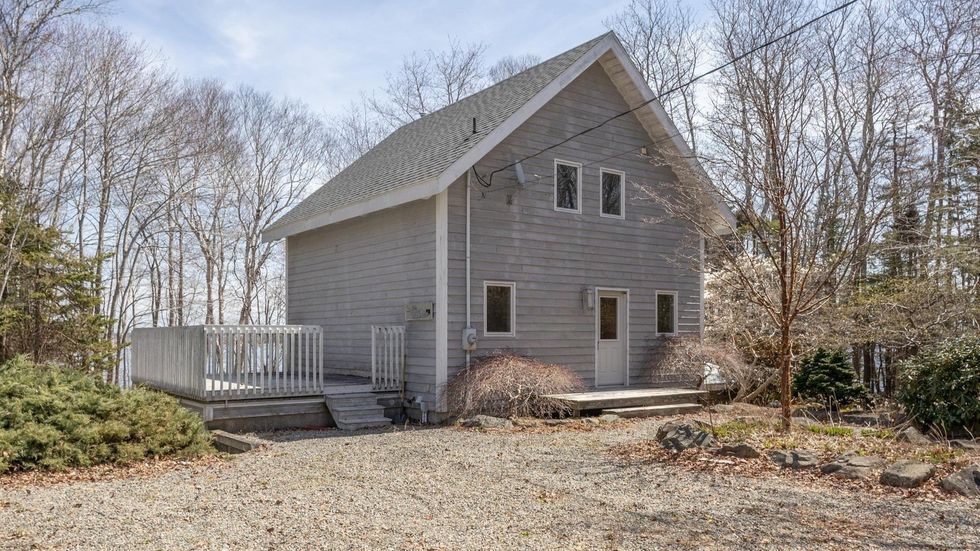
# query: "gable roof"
423,157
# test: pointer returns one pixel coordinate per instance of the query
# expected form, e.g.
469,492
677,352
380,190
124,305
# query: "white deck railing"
230,361
387,357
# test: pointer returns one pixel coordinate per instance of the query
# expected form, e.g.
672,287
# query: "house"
560,256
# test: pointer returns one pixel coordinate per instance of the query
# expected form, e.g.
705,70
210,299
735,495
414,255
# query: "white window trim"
622,193
578,190
513,308
656,313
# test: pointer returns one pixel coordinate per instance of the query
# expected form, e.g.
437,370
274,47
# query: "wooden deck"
604,399
272,385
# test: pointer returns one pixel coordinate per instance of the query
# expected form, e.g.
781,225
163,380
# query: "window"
666,313
611,193
568,186
498,309
608,318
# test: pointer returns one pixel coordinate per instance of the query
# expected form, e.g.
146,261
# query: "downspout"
468,322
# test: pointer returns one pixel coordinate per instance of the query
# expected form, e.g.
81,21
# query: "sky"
325,53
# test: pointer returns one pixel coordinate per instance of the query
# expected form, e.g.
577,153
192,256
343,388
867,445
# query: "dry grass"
508,385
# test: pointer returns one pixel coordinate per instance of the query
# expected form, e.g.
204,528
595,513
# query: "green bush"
53,418
826,377
940,387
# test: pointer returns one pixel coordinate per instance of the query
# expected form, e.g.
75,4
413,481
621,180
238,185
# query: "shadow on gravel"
316,433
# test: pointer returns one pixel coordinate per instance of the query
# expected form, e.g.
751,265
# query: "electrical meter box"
419,311
469,339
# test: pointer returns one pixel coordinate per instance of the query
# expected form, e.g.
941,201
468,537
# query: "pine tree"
827,377
49,305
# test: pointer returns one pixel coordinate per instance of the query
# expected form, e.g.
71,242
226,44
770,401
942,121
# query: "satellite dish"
520,173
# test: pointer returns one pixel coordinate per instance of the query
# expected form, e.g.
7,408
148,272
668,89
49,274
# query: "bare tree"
510,65
284,150
664,42
355,132
798,233
429,81
941,43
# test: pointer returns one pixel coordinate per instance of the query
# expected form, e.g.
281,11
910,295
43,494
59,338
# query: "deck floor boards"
627,397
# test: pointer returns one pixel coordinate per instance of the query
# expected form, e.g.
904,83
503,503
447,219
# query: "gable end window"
499,305
611,184
568,186
666,313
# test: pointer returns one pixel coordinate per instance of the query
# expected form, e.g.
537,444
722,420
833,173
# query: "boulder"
969,445
965,482
487,422
907,473
794,459
723,408
743,451
853,466
679,436
609,418
913,436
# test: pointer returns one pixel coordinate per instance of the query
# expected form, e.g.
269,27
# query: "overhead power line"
489,182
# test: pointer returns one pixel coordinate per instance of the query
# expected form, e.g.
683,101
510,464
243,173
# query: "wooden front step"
654,411
356,410
629,398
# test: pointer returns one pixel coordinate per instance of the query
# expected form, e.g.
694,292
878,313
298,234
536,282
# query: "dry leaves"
767,437
100,473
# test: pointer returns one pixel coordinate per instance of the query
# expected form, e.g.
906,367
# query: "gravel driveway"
448,488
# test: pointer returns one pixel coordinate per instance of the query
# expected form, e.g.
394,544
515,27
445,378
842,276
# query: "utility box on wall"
419,311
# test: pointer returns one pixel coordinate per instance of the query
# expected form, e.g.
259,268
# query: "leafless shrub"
505,384
685,359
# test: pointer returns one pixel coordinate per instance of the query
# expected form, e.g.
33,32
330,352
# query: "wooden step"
654,411
356,410
358,422
627,398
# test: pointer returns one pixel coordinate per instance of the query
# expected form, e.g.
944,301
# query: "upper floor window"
611,193
568,186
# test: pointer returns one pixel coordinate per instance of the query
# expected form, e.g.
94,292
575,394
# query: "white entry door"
612,340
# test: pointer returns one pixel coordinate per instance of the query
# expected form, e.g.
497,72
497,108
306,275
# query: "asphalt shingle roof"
426,147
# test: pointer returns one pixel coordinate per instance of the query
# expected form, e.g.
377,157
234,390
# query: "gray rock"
609,418
668,427
851,472
794,459
487,422
913,436
970,445
679,436
853,466
743,451
965,482
907,473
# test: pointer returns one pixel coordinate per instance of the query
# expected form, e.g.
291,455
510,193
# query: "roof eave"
434,186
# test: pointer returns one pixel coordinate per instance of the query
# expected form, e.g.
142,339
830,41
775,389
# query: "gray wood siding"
362,272
516,235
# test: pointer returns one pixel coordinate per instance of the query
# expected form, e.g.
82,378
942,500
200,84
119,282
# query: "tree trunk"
785,376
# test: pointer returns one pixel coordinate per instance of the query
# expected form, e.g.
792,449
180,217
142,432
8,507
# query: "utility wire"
636,149
791,32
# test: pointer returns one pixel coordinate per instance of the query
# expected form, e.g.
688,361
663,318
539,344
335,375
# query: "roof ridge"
423,148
